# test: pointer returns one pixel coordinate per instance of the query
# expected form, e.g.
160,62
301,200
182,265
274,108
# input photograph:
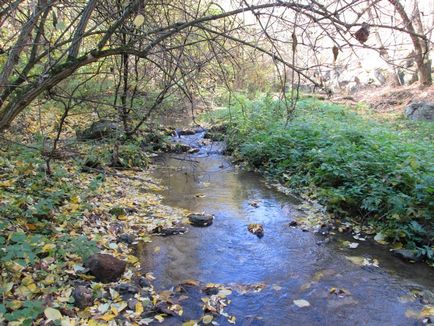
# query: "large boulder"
98,130
105,268
420,111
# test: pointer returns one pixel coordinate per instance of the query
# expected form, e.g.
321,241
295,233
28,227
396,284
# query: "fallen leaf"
52,314
139,308
159,318
139,21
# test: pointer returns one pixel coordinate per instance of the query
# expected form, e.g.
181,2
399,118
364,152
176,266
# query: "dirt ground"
388,101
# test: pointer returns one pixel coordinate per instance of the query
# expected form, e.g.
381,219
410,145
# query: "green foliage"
25,249
30,311
352,165
21,248
129,155
79,245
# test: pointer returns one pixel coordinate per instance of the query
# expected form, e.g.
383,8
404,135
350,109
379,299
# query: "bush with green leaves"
355,167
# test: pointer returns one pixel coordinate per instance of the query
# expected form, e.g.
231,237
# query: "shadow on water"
287,262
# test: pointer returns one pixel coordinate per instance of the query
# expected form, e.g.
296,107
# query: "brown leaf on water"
256,229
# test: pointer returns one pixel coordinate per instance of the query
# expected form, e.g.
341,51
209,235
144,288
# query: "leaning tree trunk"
422,60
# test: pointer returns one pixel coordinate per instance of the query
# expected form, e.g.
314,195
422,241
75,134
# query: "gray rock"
105,268
82,297
200,219
98,130
420,111
406,254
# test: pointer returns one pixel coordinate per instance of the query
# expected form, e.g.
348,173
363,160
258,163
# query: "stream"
287,264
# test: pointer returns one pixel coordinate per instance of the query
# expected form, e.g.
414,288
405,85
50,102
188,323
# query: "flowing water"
287,264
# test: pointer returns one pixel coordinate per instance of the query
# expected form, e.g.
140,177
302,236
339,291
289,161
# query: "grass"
381,173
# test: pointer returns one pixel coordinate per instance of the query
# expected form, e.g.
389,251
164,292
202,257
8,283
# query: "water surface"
287,263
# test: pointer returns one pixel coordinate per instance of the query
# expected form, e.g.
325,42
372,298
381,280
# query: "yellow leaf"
139,20
50,279
139,308
75,200
52,314
160,318
108,316
7,183
190,323
13,267
27,281
132,259
427,311
114,310
15,304
48,247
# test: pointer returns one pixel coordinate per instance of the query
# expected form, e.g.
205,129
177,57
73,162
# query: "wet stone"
126,238
162,231
406,254
211,290
201,219
293,223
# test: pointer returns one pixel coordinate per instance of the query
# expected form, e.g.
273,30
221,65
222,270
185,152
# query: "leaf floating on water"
191,323
224,293
207,319
427,311
200,195
276,287
301,303
256,229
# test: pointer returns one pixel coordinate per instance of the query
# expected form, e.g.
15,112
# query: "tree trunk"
421,56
